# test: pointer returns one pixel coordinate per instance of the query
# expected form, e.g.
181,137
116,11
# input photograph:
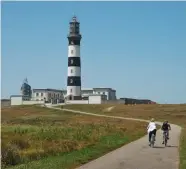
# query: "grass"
78,157
174,113
36,137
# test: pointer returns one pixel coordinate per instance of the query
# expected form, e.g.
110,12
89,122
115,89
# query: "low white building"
53,96
108,93
96,98
16,100
5,103
91,99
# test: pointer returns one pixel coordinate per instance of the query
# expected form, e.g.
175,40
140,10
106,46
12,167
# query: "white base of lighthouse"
73,90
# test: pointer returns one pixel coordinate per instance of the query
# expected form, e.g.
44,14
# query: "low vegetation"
174,113
36,138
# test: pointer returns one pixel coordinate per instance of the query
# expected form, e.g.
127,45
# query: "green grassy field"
36,138
174,113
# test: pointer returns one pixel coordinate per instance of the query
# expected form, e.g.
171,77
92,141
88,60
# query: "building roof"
101,88
16,96
5,99
134,99
23,96
104,88
86,89
96,95
45,90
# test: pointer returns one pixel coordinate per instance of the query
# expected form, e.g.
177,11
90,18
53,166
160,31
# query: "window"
77,30
71,71
72,51
37,94
71,61
41,94
70,90
103,92
71,80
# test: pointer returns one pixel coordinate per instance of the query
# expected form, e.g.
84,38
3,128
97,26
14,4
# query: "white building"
16,100
107,93
53,96
96,98
91,99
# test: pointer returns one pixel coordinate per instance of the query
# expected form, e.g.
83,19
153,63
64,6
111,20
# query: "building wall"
22,100
51,96
86,92
109,93
16,101
91,100
76,102
95,99
103,97
40,96
136,101
112,95
5,103
103,92
31,102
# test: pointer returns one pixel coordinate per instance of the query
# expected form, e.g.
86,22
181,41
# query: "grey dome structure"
26,89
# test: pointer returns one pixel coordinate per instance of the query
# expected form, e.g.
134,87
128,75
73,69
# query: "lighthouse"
74,61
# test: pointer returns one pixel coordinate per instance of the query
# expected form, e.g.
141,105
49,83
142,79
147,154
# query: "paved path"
138,155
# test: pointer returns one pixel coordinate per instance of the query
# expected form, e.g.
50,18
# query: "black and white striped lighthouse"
74,62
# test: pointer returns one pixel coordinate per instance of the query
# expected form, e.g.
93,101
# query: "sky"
137,48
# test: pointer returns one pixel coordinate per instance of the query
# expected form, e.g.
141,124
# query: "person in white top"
151,129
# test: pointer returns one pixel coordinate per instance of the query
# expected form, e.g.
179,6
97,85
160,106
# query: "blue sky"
137,48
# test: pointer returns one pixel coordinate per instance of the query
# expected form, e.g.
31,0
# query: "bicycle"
165,137
152,141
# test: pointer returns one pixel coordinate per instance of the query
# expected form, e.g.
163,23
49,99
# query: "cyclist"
151,129
165,127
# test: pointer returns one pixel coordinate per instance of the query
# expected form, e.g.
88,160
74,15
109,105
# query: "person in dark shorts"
165,128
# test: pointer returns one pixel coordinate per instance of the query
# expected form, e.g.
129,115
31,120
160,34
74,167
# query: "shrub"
10,154
20,130
32,154
20,143
53,147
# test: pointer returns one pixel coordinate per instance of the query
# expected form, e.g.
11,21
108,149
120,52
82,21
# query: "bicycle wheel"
165,139
152,140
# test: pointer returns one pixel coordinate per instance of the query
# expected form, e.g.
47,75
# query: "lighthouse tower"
74,62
